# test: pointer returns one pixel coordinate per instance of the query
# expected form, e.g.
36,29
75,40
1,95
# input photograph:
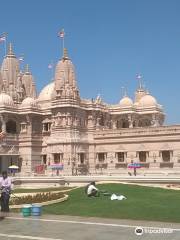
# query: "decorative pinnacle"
27,68
10,49
65,53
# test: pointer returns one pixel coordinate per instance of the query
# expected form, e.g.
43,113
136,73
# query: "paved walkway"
50,227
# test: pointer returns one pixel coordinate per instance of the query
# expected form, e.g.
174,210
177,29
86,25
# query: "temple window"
143,156
166,156
122,124
81,157
101,157
101,121
120,156
58,157
44,159
144,123
46,127
11,127
125,124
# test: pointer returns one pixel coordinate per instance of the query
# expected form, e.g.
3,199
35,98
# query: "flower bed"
38,198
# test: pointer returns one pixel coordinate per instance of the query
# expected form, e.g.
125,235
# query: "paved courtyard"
50,227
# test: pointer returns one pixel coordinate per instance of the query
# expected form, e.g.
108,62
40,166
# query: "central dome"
46,93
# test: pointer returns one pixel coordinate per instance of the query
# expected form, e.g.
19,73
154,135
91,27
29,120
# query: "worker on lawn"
92,191
5,187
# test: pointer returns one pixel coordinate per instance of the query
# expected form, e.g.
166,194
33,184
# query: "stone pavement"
51,227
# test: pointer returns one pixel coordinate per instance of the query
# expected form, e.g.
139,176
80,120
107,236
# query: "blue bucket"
36,210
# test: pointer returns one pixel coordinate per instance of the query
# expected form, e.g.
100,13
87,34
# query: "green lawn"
24,190
143,203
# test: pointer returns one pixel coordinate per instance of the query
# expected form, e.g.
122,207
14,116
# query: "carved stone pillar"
114,124
98,122
3,120
130,121
23,127
155,122
90,121
29,122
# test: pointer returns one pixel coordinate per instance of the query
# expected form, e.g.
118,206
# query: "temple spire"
10,50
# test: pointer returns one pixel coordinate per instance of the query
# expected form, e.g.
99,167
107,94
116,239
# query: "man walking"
5,187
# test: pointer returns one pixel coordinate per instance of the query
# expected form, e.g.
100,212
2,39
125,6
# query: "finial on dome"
65,53
139,78
147,92
10,49
98,98
124,91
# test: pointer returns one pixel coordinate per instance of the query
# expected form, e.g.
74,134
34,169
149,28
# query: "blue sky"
109,42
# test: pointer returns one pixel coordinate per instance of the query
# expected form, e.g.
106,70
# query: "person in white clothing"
5,186
92,191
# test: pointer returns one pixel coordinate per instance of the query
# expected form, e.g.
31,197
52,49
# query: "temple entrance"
8,160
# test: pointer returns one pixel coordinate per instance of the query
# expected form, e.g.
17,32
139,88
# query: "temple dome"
46,93
126,102
6,100
148,101
29,102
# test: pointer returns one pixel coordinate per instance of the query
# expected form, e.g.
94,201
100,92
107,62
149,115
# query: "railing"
121,165
166,165
101,166
10,137
145,165
82,169
82,165
138,131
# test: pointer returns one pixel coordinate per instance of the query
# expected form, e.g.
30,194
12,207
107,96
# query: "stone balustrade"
150,131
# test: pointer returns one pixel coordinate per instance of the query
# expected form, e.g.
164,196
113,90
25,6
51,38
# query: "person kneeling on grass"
92,191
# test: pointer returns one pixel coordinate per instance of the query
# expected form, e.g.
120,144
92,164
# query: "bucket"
26,210
36,210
